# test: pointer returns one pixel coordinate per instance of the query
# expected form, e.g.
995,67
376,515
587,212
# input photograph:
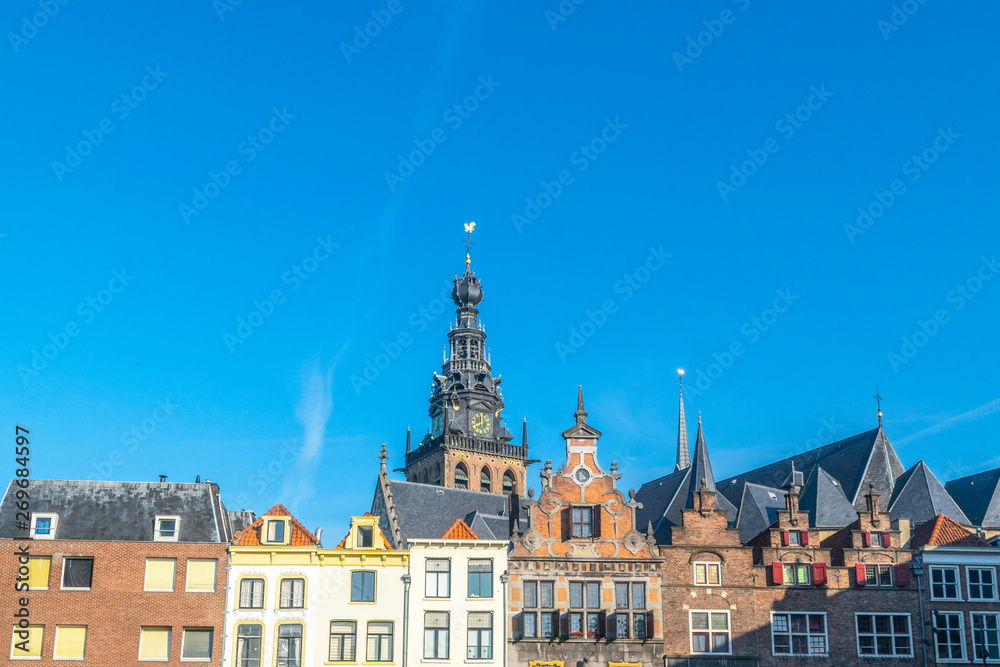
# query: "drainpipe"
504,578
406,614
225,612
918,572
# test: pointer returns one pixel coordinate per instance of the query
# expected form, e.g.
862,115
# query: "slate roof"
758,510
979,497
250,536
823,497
121,511
919,497
240,519
942,531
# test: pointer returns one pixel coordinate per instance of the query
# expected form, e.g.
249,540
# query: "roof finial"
580,414
878,399
407,439
469,228
384,454
699,418
683,450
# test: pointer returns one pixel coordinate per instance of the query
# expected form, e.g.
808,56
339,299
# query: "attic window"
771,495
276,531
365,537
166,529
43,526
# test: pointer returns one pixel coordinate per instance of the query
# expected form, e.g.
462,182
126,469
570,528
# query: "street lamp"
406,613
504,578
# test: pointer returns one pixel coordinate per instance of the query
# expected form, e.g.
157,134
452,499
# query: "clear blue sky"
648,128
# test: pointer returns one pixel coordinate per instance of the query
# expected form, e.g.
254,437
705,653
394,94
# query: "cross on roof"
878,400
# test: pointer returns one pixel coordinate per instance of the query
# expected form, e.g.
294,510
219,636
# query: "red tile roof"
943,531
459,531
250,536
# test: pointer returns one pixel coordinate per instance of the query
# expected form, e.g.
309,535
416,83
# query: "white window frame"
961,632
156,527
795,568
55,646
968,583
972,635
170,641
729,631
958,583
707,565
878,580
211,643
54,518
790,654
145,580
62,575
437,576
857,635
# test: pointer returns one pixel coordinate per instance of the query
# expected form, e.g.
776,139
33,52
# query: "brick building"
117,572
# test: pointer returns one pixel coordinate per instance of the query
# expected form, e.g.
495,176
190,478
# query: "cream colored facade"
462,603
348,606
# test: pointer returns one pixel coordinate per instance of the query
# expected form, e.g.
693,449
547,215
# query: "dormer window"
366,537
794,538
275,531
43,526
167,528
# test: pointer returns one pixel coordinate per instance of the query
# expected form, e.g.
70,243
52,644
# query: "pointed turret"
701,465
683,451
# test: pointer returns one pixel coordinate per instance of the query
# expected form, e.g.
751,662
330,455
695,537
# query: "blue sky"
175,164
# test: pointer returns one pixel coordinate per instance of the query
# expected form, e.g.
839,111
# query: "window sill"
479,599
74,589
947,600
154,590
198,591
799,656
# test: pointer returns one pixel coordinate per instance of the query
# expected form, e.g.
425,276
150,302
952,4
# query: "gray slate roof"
121,511
758,510
824,498
240,519
920,497
979,497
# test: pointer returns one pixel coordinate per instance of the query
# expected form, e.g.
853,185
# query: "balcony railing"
492,447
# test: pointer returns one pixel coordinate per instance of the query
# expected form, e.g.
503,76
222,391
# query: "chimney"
706,498
872,497
163,478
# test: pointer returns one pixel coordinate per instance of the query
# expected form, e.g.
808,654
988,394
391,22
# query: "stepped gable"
299,536
979,497
919,497
943,531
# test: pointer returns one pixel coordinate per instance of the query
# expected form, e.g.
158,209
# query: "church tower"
468,445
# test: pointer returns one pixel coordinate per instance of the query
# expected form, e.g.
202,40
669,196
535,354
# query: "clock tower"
468,446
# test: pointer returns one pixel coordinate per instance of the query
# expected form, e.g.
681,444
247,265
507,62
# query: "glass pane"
779,623
817,622
699,643
575,594
621,626
547,593
883,645
197,644
700,575
640,626
699,621
782,644
593,625
865,624
720,642
576,624
481,565
720,621
438,564
593,595
901,624
713,575
882,625
621,595
800,645
480,620
530,625
799,623
531,594
638,596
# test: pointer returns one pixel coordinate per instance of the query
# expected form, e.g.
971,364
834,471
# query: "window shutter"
567,526
867,539
778,572
649,625
886,539
603,624
597,521
563,624
819,573
805,538
517,625
902,574
785,538
860,573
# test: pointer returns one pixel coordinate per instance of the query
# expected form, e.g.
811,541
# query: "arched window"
437,475
508,483
461,477
485,484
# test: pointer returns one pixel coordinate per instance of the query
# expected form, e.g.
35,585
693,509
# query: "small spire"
524,432
407,439
878,400
469,228
383,456
683,449
699,418
581,413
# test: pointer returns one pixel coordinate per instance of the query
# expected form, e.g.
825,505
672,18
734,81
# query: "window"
707,574
366,537
884,634
362,586
878,575
944,583
710,632
343,641
276,531
982,583
26,643
508,483
248,640
436,635
197,644
795,538
154,644
160,574
876,539
480,641
78,573
437,578
585,595
985,635
38,572
379,641
484,481
201,575
461,477
166,529
796,574
43,526
481,578
949,642
539,595
71,642
251,593
290,645
291,594
581,521
798,634
630,610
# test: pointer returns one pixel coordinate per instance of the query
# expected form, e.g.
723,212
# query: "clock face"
482,423
582,475
437,426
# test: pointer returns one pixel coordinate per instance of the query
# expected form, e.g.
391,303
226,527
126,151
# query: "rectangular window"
531,594
38,572
949,640
362,586
582,521
248,640
290,645
71,642
480,640
292,594
576,595
546,591
982,583
379,641
201,575
251,594
343,641
160,573
621,625
875,539
366,537
799,634
794,538
27,642
154,644
43,526
530,622
986,635
629,596
436,635
710,632
797,574
437,578
621,595
707,574
549,623
166,528
78,573
884,634
638,596
197,644
276,531
481,578
944,583
878,575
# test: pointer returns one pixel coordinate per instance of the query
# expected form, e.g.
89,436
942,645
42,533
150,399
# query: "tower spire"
878,400
683,451
581,413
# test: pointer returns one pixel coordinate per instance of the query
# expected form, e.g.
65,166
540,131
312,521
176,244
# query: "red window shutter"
778,572
563,624
819,573
604,624
867,540
902,574
886,539
805,538
785,538
649,625
517,624
862,577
